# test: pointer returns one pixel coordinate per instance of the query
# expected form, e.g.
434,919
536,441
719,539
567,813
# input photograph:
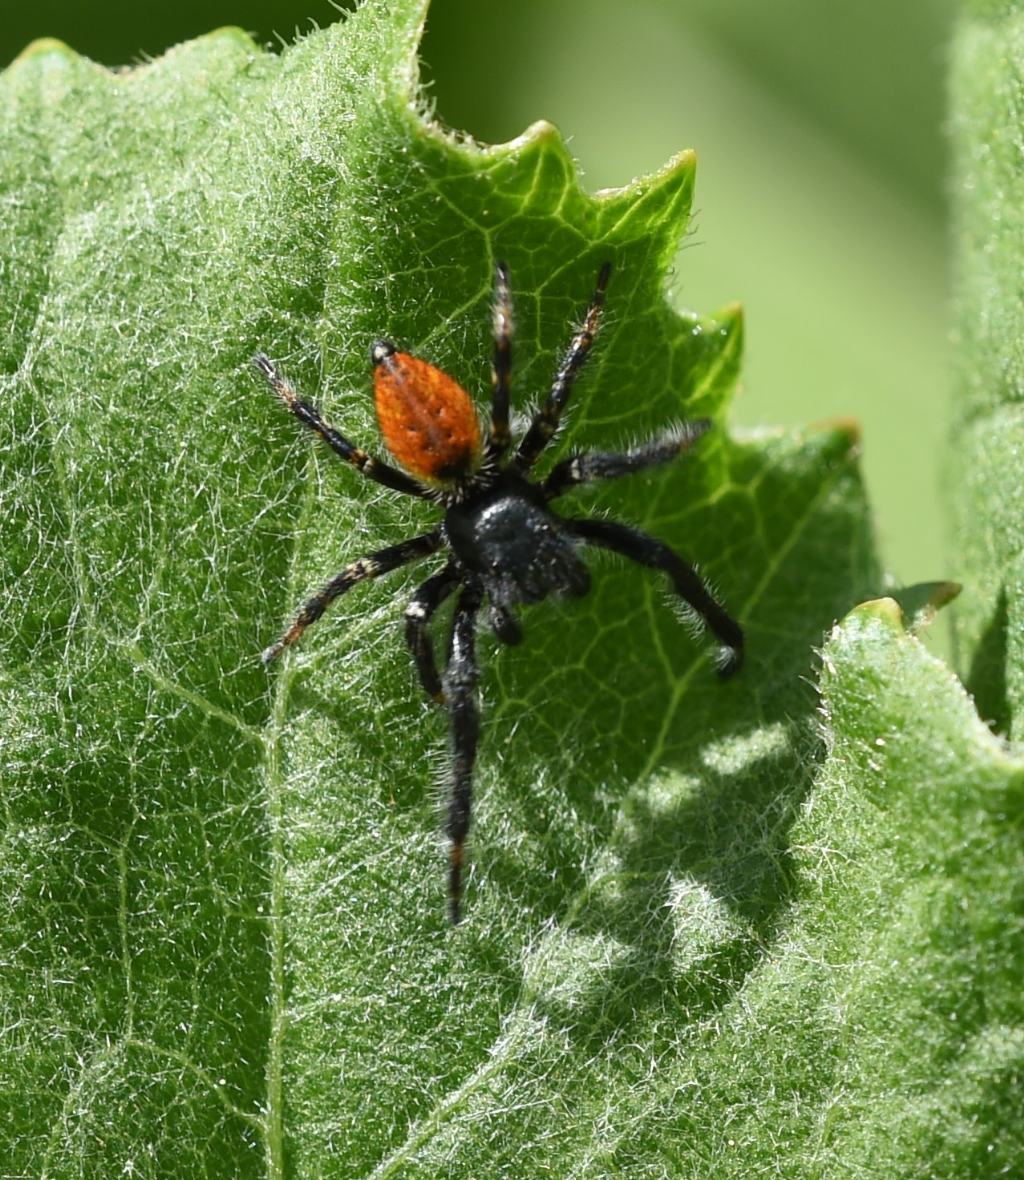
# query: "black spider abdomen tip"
380,350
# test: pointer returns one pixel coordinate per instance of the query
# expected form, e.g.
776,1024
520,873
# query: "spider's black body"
505,544
507,537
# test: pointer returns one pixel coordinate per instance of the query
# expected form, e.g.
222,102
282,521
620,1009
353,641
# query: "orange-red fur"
427,419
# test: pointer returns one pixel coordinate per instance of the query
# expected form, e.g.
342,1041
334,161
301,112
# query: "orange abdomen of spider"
427,418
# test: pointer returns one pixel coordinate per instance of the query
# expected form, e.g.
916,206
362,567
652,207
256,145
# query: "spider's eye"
427,419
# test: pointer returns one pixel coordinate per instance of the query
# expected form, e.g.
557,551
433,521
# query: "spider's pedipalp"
504,624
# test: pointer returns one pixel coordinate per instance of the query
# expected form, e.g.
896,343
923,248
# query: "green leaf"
225,952
987,497
868,1024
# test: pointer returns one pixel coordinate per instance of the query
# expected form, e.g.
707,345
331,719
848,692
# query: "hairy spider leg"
655,554
547,418
595,465
310,416
498,437
362,570
460,688
418,614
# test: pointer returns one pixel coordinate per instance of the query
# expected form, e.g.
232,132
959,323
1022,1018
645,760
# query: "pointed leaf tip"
911,608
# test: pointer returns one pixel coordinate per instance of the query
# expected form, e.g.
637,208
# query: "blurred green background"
820,192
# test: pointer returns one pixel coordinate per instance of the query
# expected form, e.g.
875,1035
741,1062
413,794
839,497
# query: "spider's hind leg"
655,554
310,416
547,418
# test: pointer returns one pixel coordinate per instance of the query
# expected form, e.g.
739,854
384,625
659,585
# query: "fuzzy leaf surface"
874,1029
225,952
986,491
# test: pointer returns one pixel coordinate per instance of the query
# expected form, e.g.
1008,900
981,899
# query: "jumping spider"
503,543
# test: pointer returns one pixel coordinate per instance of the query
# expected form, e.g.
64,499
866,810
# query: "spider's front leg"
460,688
649,551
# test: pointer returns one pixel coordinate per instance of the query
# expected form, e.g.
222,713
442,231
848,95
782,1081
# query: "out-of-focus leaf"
986,489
